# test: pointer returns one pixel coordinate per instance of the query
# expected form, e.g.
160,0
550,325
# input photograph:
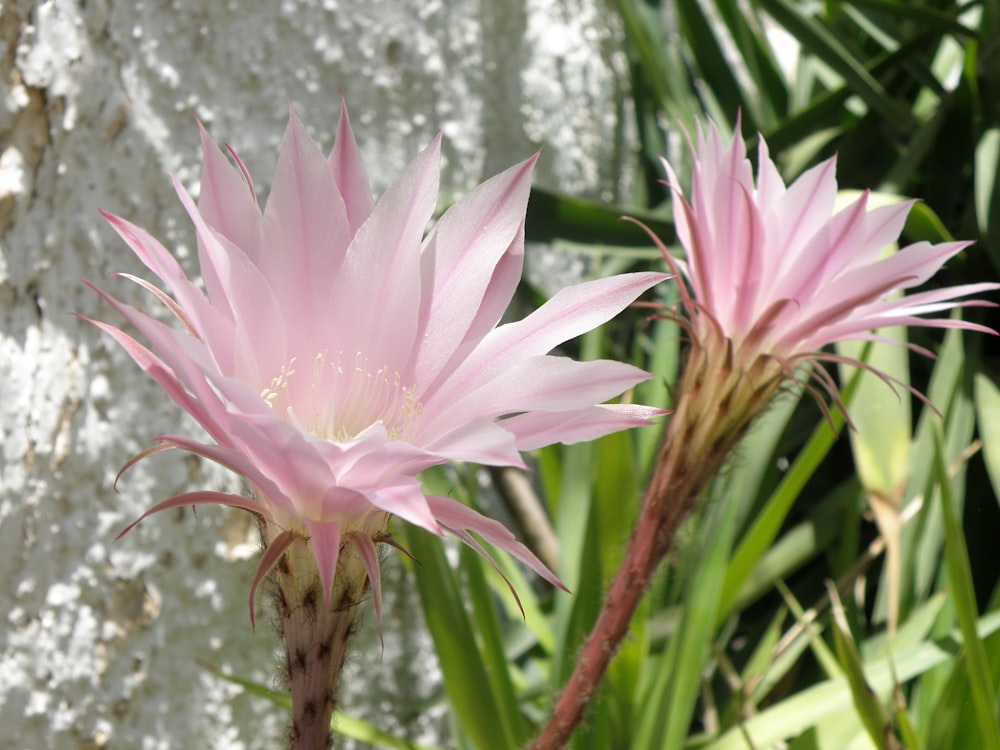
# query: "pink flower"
774,277
340,349
776,272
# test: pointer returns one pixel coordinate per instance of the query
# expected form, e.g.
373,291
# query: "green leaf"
988,411
817,39
806,708
554,216
963,596
880,440
768,523
987,191
669,704
870,709
344,725
469,689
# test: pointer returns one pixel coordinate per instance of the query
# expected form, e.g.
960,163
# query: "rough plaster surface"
101,641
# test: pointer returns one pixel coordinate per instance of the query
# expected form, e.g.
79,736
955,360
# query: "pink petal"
349,173
268,560
269,494
200,498
324,538
405,499
455,516
803,209
478,440
458,263
305,228
260,343
160,372
547,383
369,556
570,312
158,260
383,268
227,201
164,298
540,428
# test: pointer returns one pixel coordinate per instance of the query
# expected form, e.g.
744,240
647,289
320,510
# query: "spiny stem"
316,639
716,404
650,541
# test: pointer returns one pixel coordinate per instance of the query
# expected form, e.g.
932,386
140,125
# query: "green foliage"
831,592
722,654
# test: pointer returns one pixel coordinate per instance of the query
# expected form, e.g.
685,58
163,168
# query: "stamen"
340,402
278,384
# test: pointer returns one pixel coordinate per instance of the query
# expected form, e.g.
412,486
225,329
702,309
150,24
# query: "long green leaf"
343,724
963,595
768,523
988,410
466,683
817,39
796,714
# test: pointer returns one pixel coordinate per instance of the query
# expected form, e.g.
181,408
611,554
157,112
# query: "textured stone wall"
101,642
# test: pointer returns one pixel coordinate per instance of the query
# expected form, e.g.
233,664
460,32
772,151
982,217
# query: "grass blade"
963,596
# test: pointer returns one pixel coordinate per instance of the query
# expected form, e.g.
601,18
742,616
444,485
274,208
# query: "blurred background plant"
834,590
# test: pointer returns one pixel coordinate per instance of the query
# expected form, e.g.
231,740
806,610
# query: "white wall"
100,640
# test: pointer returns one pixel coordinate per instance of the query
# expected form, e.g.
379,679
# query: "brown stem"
651,539
716,404
315,641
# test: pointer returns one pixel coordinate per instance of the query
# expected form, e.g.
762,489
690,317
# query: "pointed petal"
227,201
271,555
405,499
164,376
479,440
466,538
545,383
382,268
305,227
158,259
200,498
236,461
459,260
805,207
260,331
369,556
163,297
349,173
325,540
570,312
455,516
538,429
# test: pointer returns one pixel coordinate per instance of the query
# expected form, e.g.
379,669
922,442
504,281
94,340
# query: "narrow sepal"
268,560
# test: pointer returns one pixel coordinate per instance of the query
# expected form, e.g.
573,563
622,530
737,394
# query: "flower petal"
369,556
546,382
458,263
227,201
305,228
455,516
324,537
268,560
200,498
570,312
540,428
349,173
382,268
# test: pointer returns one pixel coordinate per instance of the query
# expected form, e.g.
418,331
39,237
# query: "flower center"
337,400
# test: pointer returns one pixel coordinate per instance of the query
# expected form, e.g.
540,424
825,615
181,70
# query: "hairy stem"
716,403
315,640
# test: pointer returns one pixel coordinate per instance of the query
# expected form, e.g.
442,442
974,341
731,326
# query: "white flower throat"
337,401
